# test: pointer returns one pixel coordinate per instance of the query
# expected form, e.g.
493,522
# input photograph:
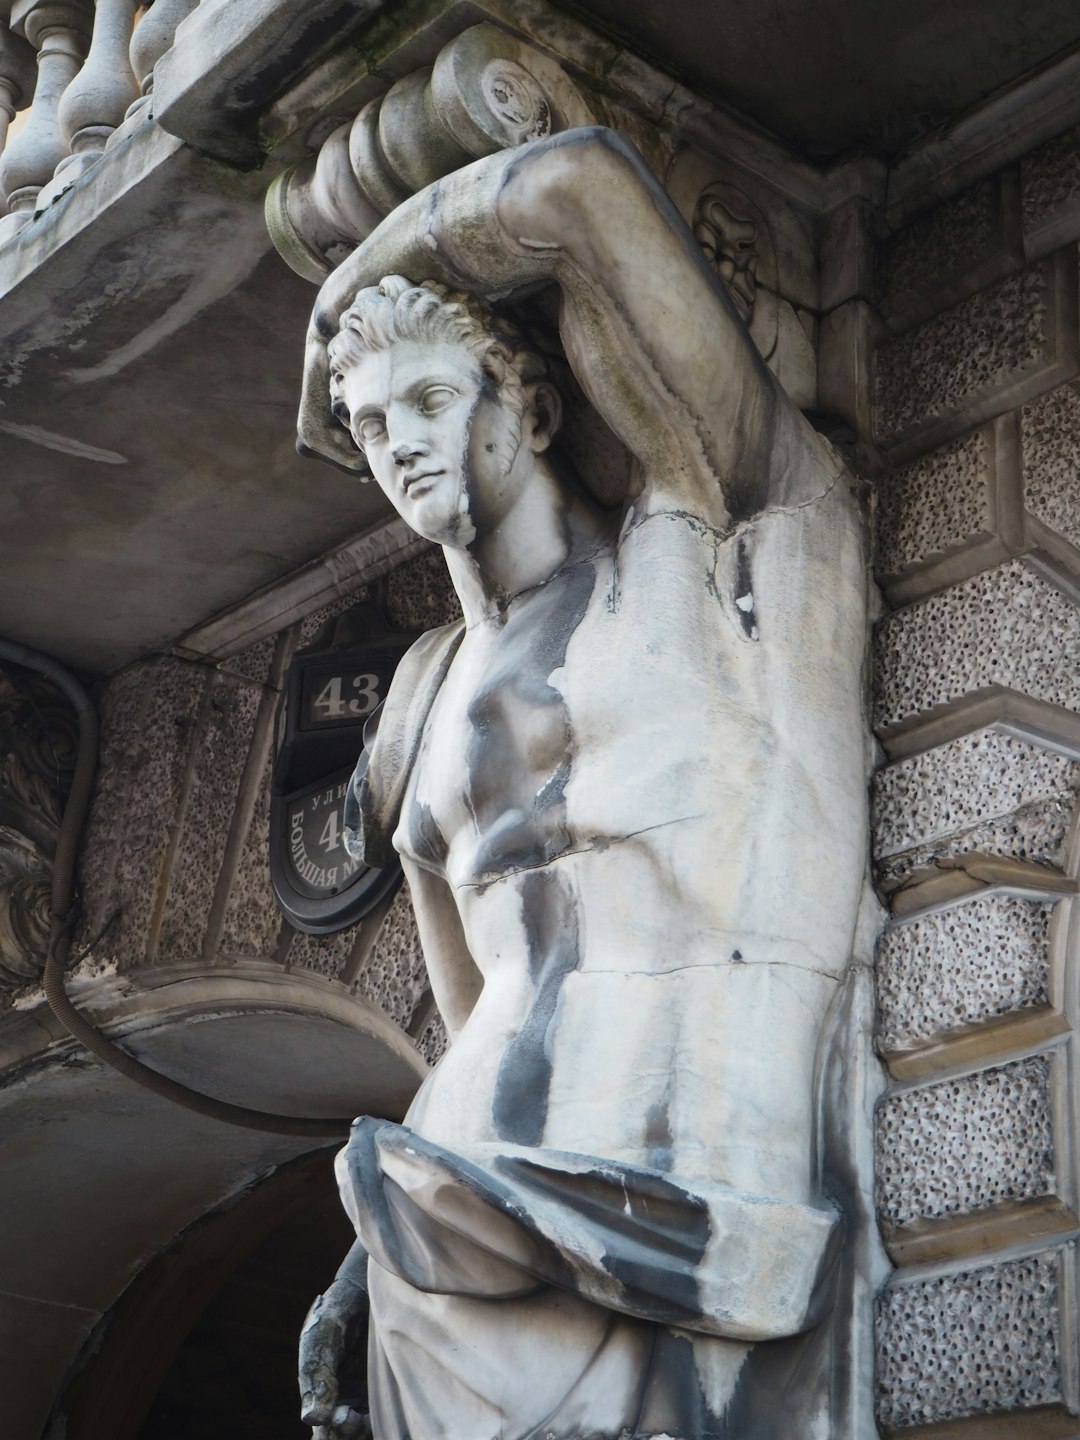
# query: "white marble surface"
630,792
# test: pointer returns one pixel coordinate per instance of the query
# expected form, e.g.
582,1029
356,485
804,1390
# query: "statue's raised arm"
651,335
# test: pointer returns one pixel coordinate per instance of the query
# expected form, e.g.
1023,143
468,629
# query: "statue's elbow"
580,172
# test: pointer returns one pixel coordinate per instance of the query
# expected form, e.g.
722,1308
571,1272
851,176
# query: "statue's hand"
331,1345
346,1424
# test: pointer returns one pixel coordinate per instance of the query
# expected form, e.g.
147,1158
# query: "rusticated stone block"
970,1343
394,977
254,662
216,766
325,954
313,623
419,595
964,1144
1050,438
938,245
1036,832
937,505
1006,627
957,967
959,791
1050,180
434,1040
149,724
989,352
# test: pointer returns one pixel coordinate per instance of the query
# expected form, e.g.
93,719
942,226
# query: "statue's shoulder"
382,773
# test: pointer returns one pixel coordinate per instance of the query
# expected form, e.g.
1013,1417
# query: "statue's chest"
498,749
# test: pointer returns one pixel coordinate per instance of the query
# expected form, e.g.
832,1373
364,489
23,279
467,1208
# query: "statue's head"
447,403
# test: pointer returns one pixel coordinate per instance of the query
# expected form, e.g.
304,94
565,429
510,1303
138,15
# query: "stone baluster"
17,72
97,100
152,37
58,30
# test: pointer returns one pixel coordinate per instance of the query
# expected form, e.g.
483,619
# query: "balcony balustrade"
87,73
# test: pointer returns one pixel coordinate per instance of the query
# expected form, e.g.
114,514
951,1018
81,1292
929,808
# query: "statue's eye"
370,429
436,398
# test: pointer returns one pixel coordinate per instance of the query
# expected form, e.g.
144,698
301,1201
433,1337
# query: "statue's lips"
417,484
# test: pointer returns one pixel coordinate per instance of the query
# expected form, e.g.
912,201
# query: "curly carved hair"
396,309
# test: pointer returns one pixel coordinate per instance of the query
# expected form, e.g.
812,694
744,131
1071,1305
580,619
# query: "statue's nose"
406,450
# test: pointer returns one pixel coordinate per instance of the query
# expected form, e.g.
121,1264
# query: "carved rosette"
38,737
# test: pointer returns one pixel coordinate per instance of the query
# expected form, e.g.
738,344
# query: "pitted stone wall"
175,868
997,1126
977,704
963,966
972,1343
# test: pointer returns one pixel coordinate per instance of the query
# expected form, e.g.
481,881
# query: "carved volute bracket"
487,91
38,738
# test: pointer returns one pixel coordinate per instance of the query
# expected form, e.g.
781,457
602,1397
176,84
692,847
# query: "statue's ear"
543,415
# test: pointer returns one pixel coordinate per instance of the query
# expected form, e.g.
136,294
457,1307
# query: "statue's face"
443,445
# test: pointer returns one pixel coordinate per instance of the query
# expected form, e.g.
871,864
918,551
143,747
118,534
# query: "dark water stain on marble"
549,910
521,747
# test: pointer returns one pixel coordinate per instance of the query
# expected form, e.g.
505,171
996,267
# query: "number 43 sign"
333,690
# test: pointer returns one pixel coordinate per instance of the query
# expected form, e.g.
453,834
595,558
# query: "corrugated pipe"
63,884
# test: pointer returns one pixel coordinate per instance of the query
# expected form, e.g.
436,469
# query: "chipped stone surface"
959,787
936,506
228,719
957,967
1007,626
950,238
966,1144
1050,435
948,361
394,976
149,720
970,1343
1050,177
1038,833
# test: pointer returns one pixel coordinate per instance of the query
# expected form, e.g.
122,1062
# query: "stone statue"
628,791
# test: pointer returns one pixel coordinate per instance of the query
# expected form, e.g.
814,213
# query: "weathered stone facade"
178,843
977,699
926,315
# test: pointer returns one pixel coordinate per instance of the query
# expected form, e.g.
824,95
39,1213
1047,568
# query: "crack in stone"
599,843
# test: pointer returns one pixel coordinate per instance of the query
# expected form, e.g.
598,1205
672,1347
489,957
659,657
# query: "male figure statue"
628,793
